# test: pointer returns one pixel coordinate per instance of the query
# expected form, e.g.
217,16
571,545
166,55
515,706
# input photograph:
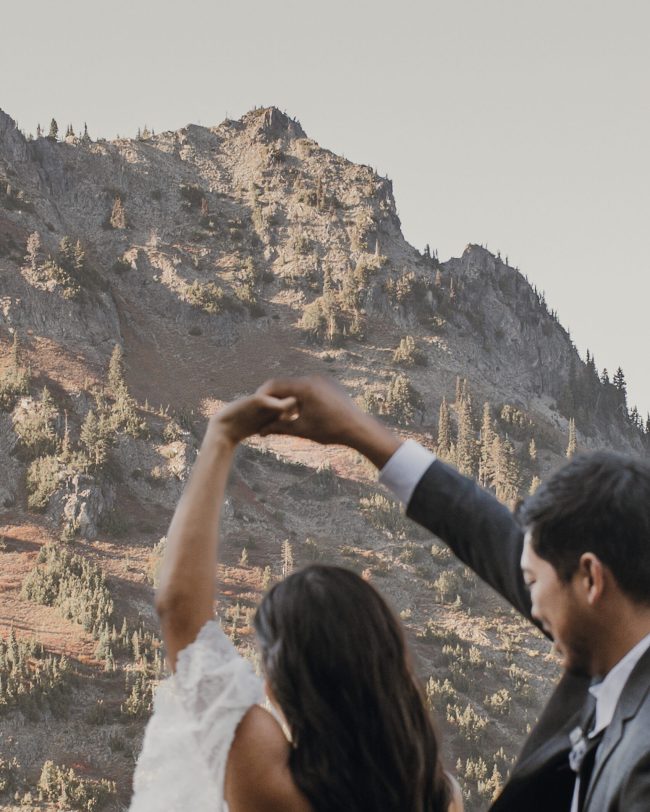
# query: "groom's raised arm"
480,530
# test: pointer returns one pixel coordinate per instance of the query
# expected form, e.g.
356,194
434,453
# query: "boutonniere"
579,747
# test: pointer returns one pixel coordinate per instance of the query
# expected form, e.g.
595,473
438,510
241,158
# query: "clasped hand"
314,408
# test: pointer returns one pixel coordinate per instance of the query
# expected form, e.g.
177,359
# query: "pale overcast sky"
523,124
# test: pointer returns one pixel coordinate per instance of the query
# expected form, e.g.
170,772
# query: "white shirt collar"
608,691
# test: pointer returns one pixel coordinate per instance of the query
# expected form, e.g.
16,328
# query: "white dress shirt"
401,475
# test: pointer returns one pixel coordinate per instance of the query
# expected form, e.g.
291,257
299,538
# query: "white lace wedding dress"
196,711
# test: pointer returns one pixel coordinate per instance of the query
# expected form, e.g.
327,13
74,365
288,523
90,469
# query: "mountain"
144,280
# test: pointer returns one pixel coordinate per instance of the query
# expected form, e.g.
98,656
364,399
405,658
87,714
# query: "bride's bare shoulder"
258,777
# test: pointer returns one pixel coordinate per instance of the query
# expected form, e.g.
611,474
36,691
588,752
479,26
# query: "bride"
336,670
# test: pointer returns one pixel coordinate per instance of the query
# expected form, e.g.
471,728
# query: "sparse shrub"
447,585
369,401
139,702
382,513
208,296
34,425
311,550
411,553
172,432
13,384
440,693
8,774
301,244
32,679
407,354
193,196
74,585
499,702
469,723
67,789
43,478
121,266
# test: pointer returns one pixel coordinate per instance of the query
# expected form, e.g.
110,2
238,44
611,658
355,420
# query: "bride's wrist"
220,434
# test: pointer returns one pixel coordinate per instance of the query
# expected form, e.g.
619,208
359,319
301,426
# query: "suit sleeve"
481,531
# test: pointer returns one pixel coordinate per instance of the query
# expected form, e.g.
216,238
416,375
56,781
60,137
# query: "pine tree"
33,256
534,485
402,400
621,388
572,445
506,471
443,446
39,131
116,370
466,445
118,215
93,441
459,391
287,558
532,450
487,436
54,130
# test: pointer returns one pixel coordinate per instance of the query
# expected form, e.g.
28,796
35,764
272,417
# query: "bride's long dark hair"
337,663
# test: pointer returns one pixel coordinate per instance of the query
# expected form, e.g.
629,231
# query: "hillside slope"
144,281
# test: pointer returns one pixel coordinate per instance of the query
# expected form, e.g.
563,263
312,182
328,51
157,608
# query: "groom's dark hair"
597,503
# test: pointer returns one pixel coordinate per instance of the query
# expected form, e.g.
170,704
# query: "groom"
576,563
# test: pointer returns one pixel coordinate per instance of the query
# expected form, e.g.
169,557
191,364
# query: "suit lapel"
634,692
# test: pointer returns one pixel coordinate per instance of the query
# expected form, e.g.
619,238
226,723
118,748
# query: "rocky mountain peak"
270,124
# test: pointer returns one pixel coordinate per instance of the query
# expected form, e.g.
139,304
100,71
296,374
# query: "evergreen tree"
54,130
621,389
572,445
402,400
532,450
39,131
619,381
487,436
534,485
287,558
466,445
443,446
116,370
506,477
94,440
33,256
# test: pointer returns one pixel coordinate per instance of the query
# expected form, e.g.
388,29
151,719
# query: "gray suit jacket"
485,536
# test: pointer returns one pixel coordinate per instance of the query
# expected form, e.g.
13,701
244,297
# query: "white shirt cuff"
405,469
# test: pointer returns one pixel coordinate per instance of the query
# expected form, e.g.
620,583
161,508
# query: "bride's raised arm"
185,597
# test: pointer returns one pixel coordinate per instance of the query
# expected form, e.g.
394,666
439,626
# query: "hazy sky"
523,124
